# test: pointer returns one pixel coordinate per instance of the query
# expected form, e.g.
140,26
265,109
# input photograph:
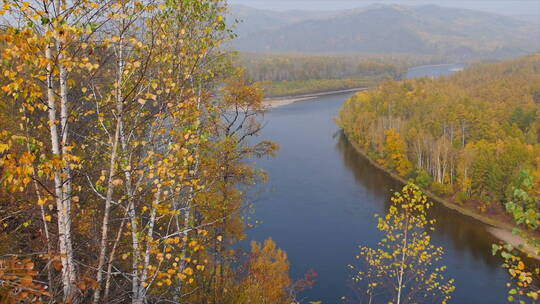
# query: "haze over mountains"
386,29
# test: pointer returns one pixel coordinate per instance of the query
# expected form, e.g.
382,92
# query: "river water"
321,198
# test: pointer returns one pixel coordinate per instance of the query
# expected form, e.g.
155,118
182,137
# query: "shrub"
441,189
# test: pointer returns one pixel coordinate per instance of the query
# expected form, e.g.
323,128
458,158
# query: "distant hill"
385,29
252,20
532,18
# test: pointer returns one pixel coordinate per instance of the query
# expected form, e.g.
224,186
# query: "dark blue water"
320,203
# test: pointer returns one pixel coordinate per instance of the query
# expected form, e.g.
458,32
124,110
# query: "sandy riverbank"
514,240
281,101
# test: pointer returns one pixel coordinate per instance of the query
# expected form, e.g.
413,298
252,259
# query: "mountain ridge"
387,29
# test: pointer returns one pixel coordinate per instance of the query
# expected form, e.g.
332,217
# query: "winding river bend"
322,196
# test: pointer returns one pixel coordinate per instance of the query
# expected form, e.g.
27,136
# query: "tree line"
291,74
125,137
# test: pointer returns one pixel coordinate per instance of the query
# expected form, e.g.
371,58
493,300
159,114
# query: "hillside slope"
430,30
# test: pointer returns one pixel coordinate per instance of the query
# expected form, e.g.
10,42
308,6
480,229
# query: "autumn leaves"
117,148
472,138
405,267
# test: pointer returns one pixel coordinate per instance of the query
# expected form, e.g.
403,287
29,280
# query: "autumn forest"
135,143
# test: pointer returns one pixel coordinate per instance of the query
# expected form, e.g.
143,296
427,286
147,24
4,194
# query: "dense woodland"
472,138
126,140
293,74
123,138
472,132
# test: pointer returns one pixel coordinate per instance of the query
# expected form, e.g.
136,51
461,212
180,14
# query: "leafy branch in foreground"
524,272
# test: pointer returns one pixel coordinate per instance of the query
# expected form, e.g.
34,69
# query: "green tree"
524,273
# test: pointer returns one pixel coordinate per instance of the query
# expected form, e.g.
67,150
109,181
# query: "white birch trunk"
141,292
112,172
64,238
402,262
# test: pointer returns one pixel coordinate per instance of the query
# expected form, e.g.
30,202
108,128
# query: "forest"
472,139
470,133
296,73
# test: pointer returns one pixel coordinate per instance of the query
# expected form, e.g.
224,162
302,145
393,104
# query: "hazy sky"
507,7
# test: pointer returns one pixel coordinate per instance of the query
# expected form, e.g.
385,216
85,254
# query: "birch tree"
121,145
405,267
42,55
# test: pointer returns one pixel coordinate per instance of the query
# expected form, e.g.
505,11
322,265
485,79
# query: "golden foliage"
405,266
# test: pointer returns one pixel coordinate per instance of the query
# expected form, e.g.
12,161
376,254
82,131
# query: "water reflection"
375,181
321,205
463,238
467,235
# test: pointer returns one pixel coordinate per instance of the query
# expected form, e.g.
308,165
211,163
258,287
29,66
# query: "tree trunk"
66,171
141,292
402,262
64,231
112,172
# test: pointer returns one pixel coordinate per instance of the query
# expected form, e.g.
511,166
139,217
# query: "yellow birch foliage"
405,266
147,172
524,271
396,153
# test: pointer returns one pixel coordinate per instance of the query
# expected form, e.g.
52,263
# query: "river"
321,198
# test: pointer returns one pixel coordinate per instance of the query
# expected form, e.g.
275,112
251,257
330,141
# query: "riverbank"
500,230
285,100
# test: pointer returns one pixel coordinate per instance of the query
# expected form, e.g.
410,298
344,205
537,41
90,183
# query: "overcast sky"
507,7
